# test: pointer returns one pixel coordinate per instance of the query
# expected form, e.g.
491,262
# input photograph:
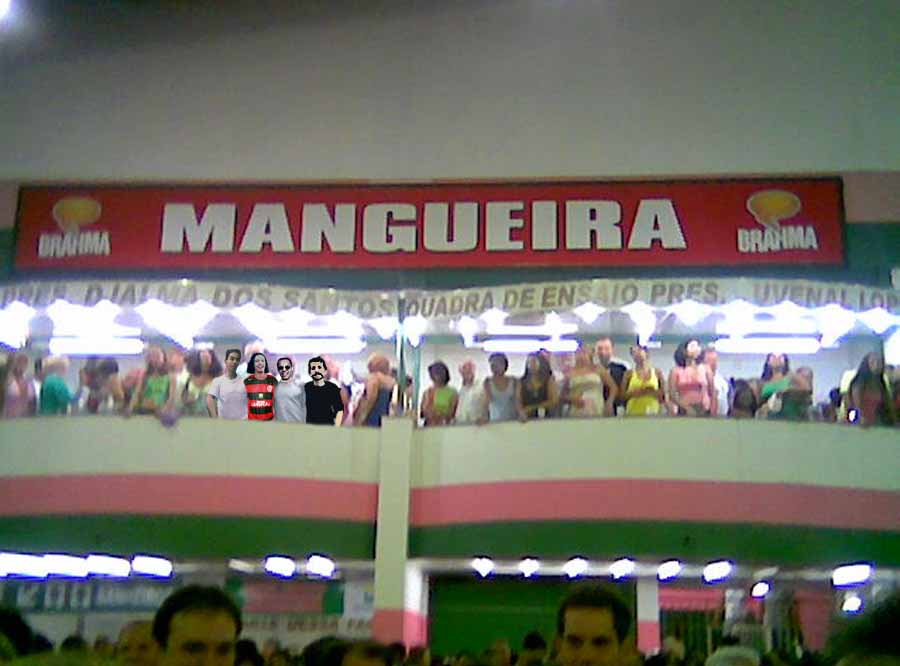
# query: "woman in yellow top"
440,400
644,386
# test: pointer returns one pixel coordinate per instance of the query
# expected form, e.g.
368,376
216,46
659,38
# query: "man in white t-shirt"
227,396
711,358
470,408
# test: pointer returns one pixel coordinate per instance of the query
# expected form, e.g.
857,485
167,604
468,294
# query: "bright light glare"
18,564
528,345
852,604
767,345
716,571
66,565
151,566
414,328
96,345
690,312
467,328
493,317
760,590
88,321
668,570
588,312
179,324
529,566
385,326
316,345
483,565
622,568
5,6
14,320
851,574
104,565
878,319
319,565
575,567
644,318
280,566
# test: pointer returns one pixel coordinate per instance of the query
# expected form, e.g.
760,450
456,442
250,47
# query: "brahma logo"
769,208
71,214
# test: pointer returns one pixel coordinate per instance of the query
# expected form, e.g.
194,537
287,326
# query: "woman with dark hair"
102,388
870,393
538,395
645,388
203,366
501,392
692,390
440,400
775,376
260,387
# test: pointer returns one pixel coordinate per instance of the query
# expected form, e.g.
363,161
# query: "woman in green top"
775,376
155,390
440,400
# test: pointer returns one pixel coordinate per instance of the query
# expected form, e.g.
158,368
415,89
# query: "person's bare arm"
367,402
661,391
609,404
552,394
711,390
212,406
427,404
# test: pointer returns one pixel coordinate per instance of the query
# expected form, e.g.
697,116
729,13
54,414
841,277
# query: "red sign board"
487,225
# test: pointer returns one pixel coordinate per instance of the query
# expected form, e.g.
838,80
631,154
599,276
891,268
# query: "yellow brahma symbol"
770,207
72,213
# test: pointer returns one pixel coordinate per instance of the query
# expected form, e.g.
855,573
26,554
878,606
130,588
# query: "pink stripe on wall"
188,495
656,499
390,625
648,640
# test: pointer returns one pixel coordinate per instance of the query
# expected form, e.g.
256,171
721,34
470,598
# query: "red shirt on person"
260,397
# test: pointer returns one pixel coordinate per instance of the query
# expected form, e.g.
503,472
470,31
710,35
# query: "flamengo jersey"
260,398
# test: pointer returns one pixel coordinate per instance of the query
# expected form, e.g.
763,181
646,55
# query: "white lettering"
544,229
743,241
811,241
437,227
792,237
381,236
180,224
74,244
656,220
318,224
585,218
500,224
268,224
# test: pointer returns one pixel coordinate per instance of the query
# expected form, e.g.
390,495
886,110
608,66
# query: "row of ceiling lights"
74,566
848,575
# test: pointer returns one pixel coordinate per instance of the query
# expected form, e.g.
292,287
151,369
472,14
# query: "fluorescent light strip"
669,570
319,565
767,345
851,574
575,567
281,566
66,565
716,571
105,565
149,565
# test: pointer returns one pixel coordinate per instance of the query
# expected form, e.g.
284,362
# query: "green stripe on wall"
689,541
871,251
188,536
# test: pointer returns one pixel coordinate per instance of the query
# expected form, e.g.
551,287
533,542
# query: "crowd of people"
592,383
201,626
587,384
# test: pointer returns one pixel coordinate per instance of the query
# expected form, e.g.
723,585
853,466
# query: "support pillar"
401,588
648,627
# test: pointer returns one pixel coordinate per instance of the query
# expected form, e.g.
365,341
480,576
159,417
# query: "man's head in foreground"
591,626
197,626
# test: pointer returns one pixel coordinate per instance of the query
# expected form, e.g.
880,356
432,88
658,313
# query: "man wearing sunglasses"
290,396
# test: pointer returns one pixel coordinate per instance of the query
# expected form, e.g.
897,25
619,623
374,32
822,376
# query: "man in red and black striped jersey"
260,387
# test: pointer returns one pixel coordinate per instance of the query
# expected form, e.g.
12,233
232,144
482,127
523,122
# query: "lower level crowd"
201,626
